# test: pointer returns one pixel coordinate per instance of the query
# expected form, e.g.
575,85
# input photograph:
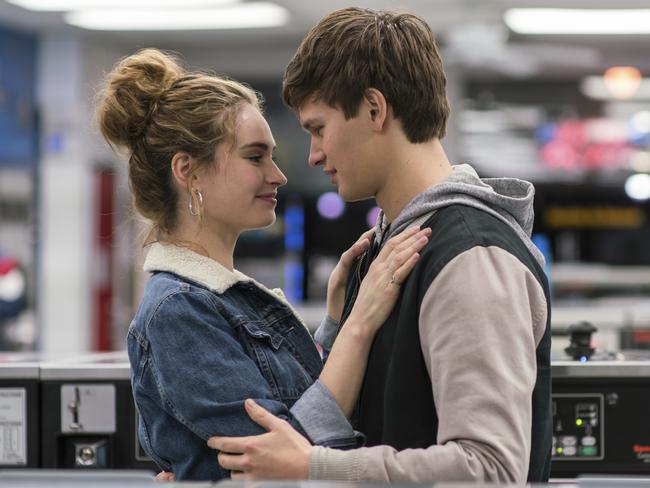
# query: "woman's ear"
183,169
375,105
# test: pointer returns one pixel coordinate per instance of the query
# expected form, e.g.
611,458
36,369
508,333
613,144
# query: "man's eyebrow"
309,124
258,145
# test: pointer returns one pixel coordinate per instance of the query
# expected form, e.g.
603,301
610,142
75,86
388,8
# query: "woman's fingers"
410,247
402,241
400,274
381,286
399,255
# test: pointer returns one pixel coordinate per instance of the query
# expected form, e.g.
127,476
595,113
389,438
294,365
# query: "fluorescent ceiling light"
67,5
240,16
578,21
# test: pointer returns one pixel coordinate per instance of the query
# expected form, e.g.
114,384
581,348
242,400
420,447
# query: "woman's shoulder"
171,295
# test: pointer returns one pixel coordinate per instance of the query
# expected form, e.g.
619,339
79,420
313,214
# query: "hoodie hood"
508,199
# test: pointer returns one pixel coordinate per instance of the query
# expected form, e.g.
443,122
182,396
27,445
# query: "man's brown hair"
353,49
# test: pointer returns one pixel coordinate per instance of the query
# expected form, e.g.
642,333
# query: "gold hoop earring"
196,209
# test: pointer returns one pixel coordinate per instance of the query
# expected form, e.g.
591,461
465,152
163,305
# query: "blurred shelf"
599,276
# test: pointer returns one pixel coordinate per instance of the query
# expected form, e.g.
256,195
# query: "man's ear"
376,107
183,169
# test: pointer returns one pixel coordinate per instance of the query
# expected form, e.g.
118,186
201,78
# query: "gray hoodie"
508,199
479,324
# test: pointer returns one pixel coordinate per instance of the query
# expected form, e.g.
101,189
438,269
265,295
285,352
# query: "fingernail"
250,403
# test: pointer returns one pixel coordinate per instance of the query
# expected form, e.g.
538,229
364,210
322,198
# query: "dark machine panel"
578,427
88,416
600,418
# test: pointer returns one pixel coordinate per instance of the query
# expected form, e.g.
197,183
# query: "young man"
457,385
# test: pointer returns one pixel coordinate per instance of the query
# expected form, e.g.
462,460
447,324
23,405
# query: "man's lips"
331,173
268,197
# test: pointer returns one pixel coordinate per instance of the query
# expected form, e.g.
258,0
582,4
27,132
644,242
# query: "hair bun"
131,93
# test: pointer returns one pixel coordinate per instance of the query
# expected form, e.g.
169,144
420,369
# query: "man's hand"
165,476
281,453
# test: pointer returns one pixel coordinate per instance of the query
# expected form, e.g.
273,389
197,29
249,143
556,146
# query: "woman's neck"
215,244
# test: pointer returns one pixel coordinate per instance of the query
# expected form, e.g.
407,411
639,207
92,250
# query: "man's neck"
415,168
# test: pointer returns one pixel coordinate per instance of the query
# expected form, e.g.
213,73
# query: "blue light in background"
545,133
294,244
294,275
294,227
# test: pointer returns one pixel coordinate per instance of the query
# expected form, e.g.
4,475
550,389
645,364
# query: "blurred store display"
18,187
17,262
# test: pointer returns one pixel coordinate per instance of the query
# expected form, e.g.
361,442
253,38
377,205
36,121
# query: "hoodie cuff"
326,333
333,464
323,420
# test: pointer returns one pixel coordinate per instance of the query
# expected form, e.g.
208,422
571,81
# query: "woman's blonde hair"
154,108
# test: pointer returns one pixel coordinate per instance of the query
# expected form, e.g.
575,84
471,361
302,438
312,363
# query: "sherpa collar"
205,271
191,265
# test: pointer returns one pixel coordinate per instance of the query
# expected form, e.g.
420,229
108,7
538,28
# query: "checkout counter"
68,413
88,418
76,416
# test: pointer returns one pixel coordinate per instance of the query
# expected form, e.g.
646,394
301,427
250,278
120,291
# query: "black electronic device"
89,419
580,341
600,412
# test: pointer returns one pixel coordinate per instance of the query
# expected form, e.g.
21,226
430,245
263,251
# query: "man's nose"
316,155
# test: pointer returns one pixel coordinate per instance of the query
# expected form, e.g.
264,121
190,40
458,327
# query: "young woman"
206,337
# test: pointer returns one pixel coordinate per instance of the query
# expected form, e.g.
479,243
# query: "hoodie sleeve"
480,323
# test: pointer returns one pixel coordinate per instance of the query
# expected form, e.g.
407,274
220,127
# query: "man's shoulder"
457,225
459,228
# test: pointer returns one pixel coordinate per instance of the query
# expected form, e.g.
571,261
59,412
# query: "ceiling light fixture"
578,21
67,5
240,16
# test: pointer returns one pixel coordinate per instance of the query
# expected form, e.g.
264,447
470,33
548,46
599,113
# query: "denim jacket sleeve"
204,374
317,409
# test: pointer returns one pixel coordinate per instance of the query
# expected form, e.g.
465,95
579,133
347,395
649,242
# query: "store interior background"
535,106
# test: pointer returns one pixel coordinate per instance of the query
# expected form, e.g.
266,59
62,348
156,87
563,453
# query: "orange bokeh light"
622,81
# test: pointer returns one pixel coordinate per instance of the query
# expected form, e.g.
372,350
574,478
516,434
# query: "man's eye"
255,159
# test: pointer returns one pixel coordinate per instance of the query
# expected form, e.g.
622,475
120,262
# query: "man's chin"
350,196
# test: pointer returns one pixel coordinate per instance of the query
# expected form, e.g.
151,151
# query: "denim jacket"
202,341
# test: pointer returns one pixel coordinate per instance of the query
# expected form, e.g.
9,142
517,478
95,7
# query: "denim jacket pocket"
272,338
276,361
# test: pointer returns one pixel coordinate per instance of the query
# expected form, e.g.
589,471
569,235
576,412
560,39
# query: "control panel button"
588,440
570,451
568,440
589,451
